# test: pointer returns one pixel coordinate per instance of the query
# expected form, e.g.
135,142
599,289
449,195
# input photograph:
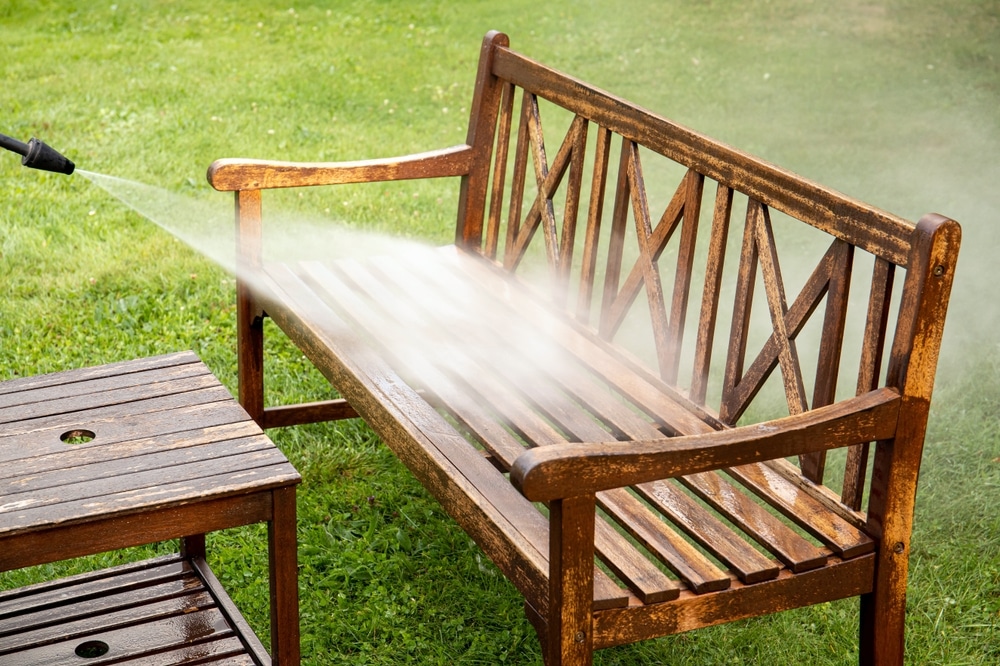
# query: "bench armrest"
568,470
230,175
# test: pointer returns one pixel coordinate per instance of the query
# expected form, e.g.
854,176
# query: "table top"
113,440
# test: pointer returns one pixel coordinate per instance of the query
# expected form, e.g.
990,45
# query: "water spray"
38,155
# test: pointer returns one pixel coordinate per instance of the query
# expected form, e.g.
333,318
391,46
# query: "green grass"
894,103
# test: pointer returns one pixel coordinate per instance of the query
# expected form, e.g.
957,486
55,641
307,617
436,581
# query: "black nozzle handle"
13,145
38,155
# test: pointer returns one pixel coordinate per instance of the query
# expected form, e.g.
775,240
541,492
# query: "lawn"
894,103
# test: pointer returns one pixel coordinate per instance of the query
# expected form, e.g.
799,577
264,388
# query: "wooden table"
126,454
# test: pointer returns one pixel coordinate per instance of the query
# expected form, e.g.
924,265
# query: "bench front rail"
583,380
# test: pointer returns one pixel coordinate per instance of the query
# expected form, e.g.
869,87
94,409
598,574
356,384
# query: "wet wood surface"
126,454
162,611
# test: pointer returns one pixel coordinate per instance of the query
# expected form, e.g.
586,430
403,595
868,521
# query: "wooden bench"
630,490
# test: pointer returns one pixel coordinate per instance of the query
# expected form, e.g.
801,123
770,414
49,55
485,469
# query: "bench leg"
569,639
283,558
883,610
882,629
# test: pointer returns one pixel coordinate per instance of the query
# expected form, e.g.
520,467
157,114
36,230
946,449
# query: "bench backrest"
588,201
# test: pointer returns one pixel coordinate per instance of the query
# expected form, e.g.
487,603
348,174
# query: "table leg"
283,560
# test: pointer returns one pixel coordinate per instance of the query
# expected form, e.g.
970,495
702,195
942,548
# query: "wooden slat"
711,293
138,641
696,570
22,404
105,398
701,575
691,611
43,515
751,565
695,183
101,480
120,369
103,451
774,288
872,350
595,213
77,620
495,516
831,345
155,612
796,553
491,242
709,532
166,417
335,288
842,537
50,594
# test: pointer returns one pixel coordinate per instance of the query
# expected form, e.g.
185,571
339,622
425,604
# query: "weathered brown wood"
831,344
313,412
492,239
872,349
122,369
595,212
569,618
234,175
795,552
839,580
131,609
711,293
170,455
611,426
913,359
482,123
249,316
283,571
709,532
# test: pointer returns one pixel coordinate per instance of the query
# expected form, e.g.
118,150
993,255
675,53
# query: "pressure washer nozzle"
38,155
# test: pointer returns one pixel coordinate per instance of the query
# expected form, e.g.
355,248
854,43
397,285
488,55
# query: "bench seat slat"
839,535
794,551
696,570
709,532
678,555
801,507
374,321
512,529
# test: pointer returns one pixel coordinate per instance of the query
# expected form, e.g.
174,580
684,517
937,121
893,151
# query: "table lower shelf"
167,610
